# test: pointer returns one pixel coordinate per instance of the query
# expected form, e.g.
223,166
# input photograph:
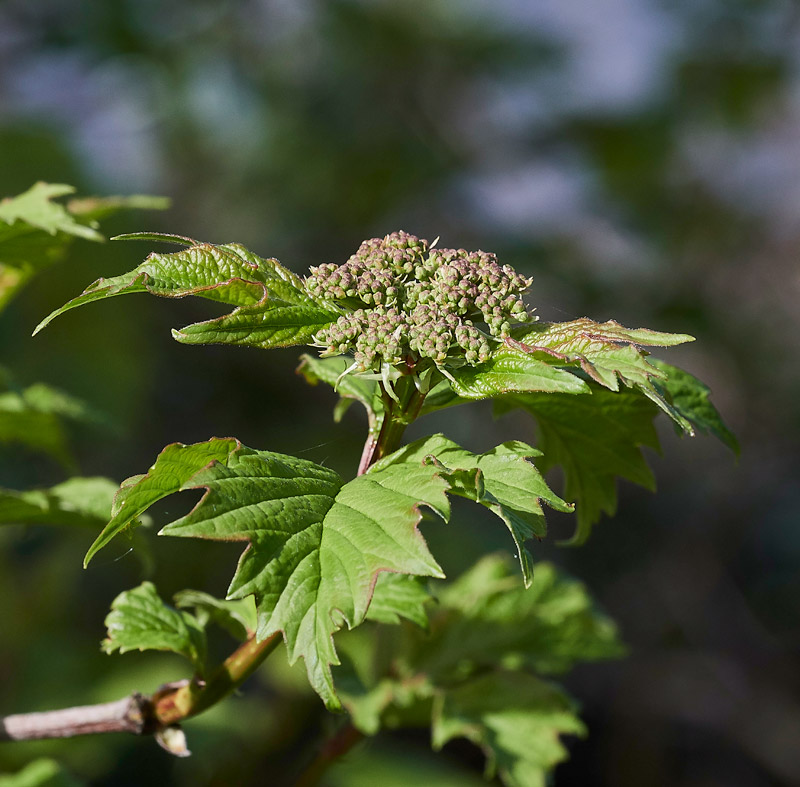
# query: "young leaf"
140,620
501,479
316,544
515,718
510,370
264,325
608,353
690,398
238,618
595,439
272,306
203,270
76,502
473,674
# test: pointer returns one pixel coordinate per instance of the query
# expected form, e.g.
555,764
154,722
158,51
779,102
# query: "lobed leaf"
595,440
475,674
35,231
140,620
316,544
691,398
502,480
175,465
36,208
488,618
516,719
607,352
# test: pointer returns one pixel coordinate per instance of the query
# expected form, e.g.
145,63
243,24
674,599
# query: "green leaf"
392,697
35,417
35,231
595,439
515,718
36,208
398,596
160,237
488,618
607,352
502,480
271,301
510,370
264,326
93,209
690,398
76,502
44,772
317,544
238,618
172,469
140,620
473,673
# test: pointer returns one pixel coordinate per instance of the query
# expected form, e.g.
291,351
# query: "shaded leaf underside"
595,440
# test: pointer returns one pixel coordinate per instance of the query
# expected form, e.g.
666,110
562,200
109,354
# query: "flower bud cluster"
411,302
374,274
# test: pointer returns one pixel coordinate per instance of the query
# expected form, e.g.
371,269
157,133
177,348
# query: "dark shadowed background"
641,159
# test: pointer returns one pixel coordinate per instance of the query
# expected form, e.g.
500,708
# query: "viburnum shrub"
406,328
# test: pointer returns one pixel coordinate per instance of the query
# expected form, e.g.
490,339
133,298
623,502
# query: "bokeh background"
639,158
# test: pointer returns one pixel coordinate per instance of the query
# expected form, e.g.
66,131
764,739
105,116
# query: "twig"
142,715
129,714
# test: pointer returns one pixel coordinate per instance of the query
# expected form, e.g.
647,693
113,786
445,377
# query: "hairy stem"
398,415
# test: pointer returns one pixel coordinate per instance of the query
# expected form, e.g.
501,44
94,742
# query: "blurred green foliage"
639,160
